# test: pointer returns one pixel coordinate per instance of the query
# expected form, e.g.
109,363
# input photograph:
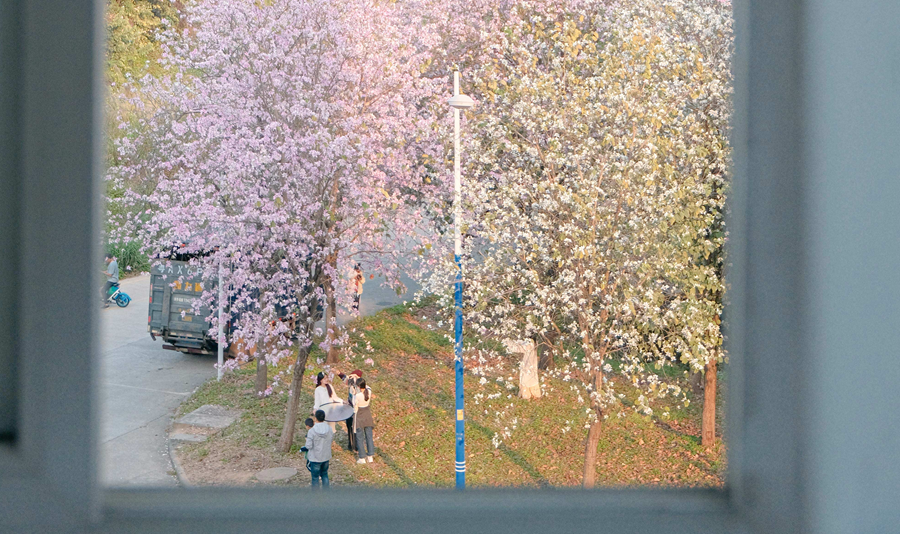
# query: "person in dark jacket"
351,381
309,424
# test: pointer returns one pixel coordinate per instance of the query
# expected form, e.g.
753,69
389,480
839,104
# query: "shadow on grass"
514,456
389,461
694,442
666,427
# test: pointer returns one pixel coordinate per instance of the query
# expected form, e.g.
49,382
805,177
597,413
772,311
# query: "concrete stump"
210,416
529,383
275,474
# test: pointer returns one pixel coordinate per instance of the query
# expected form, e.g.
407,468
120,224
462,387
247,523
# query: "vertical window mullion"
10,167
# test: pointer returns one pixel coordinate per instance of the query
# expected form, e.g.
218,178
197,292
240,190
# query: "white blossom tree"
595,187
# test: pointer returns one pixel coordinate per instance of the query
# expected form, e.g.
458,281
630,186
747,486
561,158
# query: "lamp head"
461,102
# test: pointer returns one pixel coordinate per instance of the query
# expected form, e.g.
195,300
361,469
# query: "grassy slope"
412,382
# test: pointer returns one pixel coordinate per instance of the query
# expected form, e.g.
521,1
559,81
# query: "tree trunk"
593,437
262,375
545,357
590,454
708,426
290,417
545,350
331,328
695,378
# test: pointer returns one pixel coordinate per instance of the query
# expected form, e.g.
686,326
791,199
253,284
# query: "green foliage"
389,333
131,47
132,51
130,257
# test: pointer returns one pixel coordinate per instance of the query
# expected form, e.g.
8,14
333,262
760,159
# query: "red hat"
356,372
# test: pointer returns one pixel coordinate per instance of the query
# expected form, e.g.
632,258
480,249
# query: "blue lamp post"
458,102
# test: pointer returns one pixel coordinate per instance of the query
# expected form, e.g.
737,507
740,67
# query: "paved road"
142,385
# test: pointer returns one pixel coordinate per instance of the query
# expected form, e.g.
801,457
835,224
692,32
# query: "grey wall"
816,245
852,164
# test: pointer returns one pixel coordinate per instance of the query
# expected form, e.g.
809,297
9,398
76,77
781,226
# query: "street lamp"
220,339
458,102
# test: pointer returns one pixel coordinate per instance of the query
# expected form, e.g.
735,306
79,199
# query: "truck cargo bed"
174,286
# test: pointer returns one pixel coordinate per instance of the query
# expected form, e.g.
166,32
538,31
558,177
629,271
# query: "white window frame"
783,206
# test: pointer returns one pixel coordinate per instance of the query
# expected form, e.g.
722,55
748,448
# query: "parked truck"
174,286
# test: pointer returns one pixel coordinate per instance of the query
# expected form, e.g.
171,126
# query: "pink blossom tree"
288,142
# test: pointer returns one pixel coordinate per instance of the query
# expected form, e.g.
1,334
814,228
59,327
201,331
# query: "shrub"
130,257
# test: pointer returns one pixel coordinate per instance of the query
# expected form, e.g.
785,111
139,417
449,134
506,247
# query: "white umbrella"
337,411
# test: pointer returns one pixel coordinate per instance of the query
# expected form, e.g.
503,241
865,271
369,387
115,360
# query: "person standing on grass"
325,394
356,285
352,389
309,424
364,423
318,445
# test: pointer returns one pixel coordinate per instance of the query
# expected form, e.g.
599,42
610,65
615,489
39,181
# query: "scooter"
118,296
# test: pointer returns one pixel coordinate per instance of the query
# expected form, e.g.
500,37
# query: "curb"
180,475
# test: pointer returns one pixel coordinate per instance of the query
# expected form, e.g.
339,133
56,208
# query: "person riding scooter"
112,278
